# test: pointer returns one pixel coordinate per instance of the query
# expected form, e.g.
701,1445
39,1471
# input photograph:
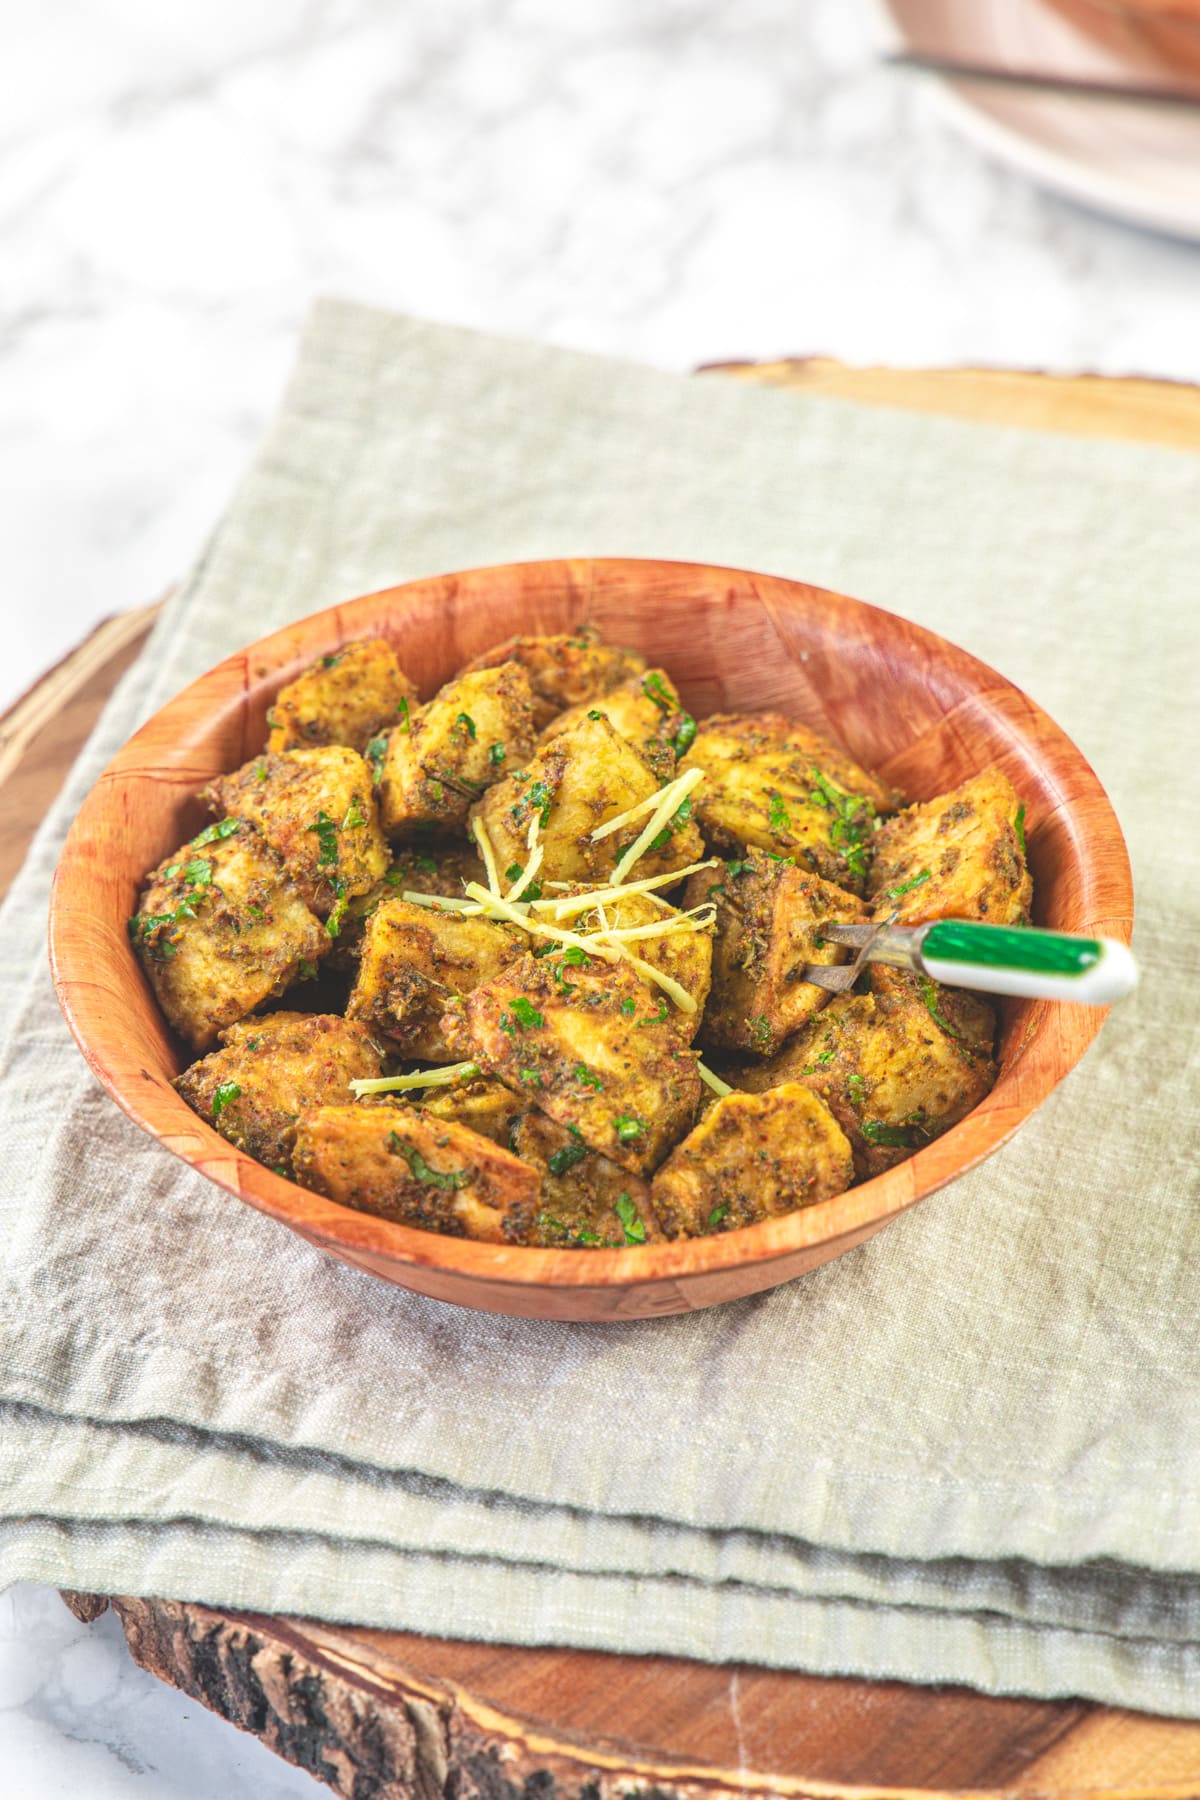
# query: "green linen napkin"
967,1451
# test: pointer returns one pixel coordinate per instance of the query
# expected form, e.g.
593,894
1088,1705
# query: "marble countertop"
671,180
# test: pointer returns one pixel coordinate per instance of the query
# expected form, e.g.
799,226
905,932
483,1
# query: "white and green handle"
1011,959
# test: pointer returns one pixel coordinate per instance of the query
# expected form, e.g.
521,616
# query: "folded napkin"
969,1450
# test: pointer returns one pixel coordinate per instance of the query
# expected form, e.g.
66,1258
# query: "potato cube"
481,1104
752,1157
586,1201
681,953
775,785
413,958
769,920
433,868
220,929
577,781
648,714
270,1069
961,856
316,809
593,1053
564,671
896,1068
471,732
344,698
401,1165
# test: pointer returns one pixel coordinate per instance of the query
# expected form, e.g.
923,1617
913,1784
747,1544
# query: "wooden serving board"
379,1715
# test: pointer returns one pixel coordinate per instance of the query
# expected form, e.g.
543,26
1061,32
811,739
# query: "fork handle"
1041,965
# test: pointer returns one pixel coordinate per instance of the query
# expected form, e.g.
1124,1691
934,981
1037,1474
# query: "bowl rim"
267,664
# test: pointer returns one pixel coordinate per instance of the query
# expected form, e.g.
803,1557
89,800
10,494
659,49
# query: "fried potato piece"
316,809
896,1068
474,729
564,671
343,698
481,1104
597,1057
577,781
586,1201
960,856
769,919
648,714
412,959
776,785
432,868
752,1157
398,1163
220,929
685,956
269,1070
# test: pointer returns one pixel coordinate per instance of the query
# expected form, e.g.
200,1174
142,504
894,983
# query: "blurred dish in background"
1136,159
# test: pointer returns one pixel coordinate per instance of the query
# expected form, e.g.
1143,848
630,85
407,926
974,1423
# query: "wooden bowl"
1146,35
903,701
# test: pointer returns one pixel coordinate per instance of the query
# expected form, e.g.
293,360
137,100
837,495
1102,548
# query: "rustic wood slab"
378,1715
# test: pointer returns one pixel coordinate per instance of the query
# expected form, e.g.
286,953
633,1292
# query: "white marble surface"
675,180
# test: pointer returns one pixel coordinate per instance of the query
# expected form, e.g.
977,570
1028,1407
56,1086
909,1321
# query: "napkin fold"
967,1451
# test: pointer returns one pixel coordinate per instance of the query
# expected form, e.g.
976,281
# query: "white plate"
1139,161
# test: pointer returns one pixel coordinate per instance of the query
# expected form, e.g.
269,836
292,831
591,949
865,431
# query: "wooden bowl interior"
904,702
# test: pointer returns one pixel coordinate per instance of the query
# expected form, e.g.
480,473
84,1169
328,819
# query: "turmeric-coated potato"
316,808
220,929
577,781
776,785
269,1069
480,1103
961,856
769,920
402,1165
586,1201
595,1055
471,733
896,1068
675,949
438,867
344,698
752,1157
413,957
647,712
564,671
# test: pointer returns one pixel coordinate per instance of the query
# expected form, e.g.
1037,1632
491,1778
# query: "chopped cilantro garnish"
333,923
906,887
857,1088
760,1031
680,816
443,1178
532,1076
596,714
526,1014
305,970
197,873
660,1017
355,816
467,723
326,831
402,709
899,1137
582,1237
685,737
627,1212
567,1157
577,956
739,868
716,1215
375,752
629,1007
213,833
228,1091
260,774
652,687
825,1056
628,1128
1019,827
513,872
496,754
778,818
586,1077
541,798
331,662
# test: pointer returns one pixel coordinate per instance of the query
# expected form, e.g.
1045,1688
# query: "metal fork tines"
838,977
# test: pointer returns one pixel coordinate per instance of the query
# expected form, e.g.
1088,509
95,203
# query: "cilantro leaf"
443,1178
